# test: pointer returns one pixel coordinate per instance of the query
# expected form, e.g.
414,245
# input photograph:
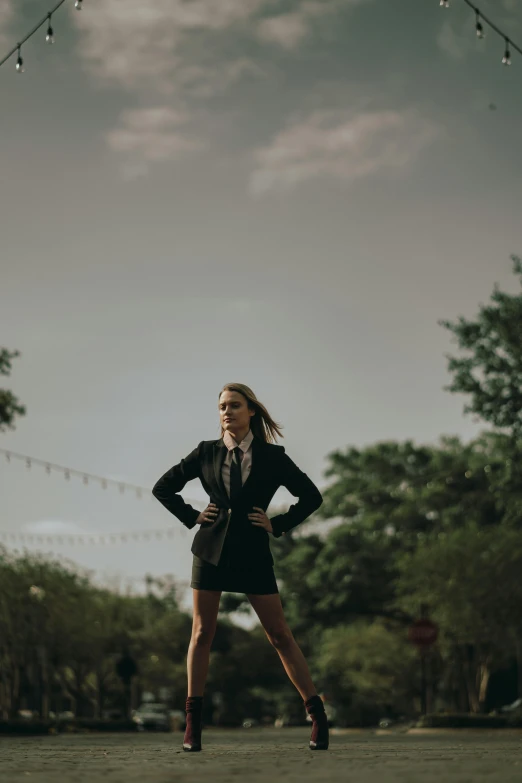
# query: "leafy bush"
97,724
462,721
26,727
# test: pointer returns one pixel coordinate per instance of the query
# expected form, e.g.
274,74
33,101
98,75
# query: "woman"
241,473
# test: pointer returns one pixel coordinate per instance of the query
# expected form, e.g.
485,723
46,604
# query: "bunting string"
88,478
92,539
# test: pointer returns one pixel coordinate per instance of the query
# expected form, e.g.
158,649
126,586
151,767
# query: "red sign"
423,632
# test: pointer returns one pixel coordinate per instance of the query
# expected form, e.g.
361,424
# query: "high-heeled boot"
320,735
194,712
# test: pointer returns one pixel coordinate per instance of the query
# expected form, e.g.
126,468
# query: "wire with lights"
49,37
87,478
78,4
479,29
100,538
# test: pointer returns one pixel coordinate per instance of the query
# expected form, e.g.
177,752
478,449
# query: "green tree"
60,638
491,373
247,673
370,668
470,579
387,499
10,406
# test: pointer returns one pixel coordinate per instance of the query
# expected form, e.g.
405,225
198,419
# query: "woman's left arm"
302,487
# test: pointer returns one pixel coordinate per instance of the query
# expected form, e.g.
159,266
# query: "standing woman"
241,473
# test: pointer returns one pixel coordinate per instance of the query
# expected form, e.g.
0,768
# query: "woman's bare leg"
269,609
204,621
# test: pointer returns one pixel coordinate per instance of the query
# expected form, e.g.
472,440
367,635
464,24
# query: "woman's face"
233,412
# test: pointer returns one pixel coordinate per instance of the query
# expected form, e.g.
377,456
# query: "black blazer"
271,468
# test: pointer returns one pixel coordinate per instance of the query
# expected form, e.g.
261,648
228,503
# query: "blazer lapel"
220,452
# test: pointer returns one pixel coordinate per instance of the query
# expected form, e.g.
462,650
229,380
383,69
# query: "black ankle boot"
320,735
194,712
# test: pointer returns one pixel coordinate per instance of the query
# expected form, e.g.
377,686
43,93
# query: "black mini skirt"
257,580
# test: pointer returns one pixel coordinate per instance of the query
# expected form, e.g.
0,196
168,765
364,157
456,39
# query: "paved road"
264,756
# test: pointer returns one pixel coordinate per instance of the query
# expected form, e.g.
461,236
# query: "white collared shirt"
246,463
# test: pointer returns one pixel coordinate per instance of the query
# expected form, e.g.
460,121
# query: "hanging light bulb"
506,60
50,32
478,26
78,5
444,3
20,63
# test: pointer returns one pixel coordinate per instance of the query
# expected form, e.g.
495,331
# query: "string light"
50,32
479,29
49,36
478,26
20,63
506,60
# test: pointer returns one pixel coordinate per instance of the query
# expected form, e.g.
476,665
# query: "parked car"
27,714
66,715
153,716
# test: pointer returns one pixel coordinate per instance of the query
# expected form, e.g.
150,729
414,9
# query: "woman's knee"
202,635
281,638
204,619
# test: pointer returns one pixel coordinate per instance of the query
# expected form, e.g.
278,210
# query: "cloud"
286,30
132,43
342,145
289,30
173,46
177,52
169,51
150,135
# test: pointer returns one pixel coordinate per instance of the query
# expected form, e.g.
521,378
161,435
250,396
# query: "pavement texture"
266,756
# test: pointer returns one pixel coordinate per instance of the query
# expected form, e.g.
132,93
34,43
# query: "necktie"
235,474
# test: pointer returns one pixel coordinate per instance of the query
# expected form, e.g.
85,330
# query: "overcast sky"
285,194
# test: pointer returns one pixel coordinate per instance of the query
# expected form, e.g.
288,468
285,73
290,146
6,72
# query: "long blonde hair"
262,424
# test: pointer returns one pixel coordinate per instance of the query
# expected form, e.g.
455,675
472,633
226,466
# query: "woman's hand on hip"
260,519
208,515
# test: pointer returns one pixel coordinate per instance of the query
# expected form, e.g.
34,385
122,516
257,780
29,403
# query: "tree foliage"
10,406
470,579
491,372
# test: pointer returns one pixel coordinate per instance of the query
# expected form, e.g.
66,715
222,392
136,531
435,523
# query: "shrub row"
33,727
469,721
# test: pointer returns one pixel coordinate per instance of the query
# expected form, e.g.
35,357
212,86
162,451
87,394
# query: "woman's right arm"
166,489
